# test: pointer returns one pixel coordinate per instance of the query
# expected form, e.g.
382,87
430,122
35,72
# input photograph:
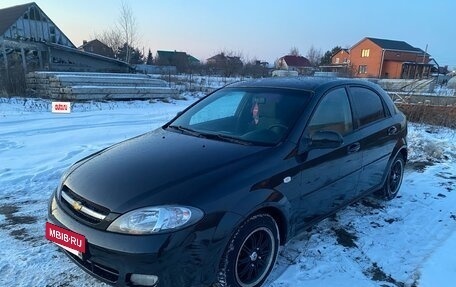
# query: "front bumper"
187,257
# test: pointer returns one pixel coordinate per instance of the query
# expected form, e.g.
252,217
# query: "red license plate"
69,240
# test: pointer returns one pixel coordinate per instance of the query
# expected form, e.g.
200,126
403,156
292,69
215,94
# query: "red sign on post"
61,107
65,238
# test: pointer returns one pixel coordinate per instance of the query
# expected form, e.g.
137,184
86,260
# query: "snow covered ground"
410,241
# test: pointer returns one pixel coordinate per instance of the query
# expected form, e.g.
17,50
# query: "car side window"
333,113
367,104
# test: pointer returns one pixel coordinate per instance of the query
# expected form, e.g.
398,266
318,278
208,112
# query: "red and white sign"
69,240
61,107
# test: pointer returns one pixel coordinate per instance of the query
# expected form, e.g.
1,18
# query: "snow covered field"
410,241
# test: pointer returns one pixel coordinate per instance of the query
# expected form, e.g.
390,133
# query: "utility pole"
5,58
424,58
425,52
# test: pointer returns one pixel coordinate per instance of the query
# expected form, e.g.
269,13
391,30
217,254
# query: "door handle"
392,130
354,148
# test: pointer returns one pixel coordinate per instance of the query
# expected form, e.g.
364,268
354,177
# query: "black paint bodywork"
228,182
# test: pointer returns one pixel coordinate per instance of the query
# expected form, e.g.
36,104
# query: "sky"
263,29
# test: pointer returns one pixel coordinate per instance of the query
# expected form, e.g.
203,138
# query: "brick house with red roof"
383,58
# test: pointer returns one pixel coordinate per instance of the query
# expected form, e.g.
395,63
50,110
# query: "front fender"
269,201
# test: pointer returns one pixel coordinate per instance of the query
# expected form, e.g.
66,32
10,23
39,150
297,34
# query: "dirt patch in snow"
377,274
391,220
9,211
368,202
14,223
419,166
345,238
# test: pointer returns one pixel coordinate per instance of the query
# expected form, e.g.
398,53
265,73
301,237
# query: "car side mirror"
323,140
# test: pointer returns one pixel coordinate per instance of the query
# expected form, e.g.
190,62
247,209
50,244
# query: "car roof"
300,83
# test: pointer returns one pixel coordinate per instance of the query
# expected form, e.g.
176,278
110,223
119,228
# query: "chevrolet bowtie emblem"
77,205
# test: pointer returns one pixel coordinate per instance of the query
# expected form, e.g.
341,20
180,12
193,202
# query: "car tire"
250,254
394,179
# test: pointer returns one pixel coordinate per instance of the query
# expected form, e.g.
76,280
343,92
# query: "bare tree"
314,56
255,68
111,38
128,28
227,63
294,51
123,33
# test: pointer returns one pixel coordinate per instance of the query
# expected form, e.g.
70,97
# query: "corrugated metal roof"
297,61
167,54
171,54
395,45
8,16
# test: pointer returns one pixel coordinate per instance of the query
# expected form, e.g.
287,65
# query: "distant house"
181,60
340,64
294,63
97,47
192,60
341,57
171,58
382,58
261,63
225,65
222,59
31,40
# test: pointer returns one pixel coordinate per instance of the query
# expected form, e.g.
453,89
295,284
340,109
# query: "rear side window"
367,104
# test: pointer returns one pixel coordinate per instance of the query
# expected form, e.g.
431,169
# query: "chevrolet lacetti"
208,198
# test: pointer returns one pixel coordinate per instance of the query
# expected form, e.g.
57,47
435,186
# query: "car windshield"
262,116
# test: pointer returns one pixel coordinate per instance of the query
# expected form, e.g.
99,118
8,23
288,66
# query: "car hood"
128,174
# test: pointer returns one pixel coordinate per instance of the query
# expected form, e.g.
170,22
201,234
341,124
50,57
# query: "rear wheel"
251,253
394,180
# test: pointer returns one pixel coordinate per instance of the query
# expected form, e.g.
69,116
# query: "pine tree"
150,60
327,57
136,57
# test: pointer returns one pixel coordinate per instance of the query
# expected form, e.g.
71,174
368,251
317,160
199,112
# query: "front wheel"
251,253
394,180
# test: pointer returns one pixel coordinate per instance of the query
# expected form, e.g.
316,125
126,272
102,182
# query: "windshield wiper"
218,136
231,139
188,131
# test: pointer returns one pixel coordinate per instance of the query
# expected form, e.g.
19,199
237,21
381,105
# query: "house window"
365,53
337,60
362,69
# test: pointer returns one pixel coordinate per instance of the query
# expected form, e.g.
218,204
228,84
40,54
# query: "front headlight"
149,220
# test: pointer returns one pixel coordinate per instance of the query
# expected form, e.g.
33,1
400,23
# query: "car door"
378,129
329,176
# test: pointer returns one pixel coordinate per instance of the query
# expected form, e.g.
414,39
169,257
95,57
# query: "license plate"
73,242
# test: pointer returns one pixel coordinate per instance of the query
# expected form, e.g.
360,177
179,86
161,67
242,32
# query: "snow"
440,268
409,241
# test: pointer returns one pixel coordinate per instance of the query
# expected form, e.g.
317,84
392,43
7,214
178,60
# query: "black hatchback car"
207,199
